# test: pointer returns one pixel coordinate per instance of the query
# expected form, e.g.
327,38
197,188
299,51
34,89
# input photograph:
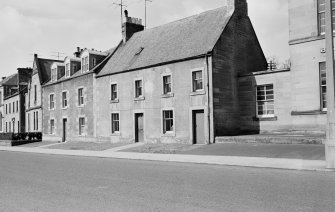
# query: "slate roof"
44,68
186,38
11,80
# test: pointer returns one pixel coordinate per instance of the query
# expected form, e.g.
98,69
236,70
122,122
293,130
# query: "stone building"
15,89
178,82
34,107
68,112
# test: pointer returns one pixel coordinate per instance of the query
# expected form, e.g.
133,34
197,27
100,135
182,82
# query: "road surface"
32,182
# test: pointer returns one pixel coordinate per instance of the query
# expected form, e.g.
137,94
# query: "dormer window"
84,64
75,68
94,62
54,74
67,70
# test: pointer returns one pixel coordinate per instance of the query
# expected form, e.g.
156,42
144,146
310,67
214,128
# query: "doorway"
199,127
139,127
64,130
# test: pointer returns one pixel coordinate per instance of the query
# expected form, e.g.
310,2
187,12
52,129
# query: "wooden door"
199,127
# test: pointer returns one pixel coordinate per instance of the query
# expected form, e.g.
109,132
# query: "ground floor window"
0,121
265,101
168,121
115,123
81,126
323,86
52,127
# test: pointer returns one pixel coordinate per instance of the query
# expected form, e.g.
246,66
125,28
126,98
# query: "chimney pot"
126,13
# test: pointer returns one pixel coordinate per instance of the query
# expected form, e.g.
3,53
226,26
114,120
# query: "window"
197,81
17,106
83,64
167,88
80,96
36,121
67,70
86,64
13,107
10,108
94,62
35,94
54,74
323,86
75,67
322,16
265,101
138,88
6,109
28,122
0,98
167,121
52,101
52,127
115,123
64,99
113,92
0,122
81,126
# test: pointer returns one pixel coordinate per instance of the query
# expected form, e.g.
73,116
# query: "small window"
265,101
68,70
80,96
167,84
52,127
64,98
94,60
113,92
81,126
115,123
197,81
86,64
323,86
138,88
168,121
52,101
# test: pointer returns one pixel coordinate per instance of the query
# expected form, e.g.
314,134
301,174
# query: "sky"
49,27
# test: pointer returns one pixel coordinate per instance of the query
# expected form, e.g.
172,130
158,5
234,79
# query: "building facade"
34,107
68,111
178,82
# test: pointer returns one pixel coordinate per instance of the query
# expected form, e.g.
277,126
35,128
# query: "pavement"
243,161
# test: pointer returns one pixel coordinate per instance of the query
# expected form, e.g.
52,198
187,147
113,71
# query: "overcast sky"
49,26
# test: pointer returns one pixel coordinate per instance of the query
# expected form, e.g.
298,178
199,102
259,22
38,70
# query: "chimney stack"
130,26
3,78
77,53
240,7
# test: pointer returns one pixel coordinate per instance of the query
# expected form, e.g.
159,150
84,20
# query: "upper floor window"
138,88
53,74
67,70
52,101
265,101
75,67
35,94
0,98
113,91
80,96
323,86
197,81
167,88
17,106
322,15
94,61
64,99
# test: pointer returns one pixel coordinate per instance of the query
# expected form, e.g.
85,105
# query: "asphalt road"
31,182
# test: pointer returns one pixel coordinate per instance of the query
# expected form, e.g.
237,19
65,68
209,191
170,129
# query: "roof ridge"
183,19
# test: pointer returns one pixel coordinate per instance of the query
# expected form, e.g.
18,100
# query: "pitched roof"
44,68
186,38
11,80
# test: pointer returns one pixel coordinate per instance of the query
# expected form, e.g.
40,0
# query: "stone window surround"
171,94
117,92
54,98
83,93
141,97
84,133
67,99
271,117
116,133
168,133
200,91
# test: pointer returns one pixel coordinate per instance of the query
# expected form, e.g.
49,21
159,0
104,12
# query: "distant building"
68,97
34,105
15,88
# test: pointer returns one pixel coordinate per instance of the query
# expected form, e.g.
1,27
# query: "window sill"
169,134
116,134
273,118
141,98
196,93
308,113
114,101
168,95
52,109
65,108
